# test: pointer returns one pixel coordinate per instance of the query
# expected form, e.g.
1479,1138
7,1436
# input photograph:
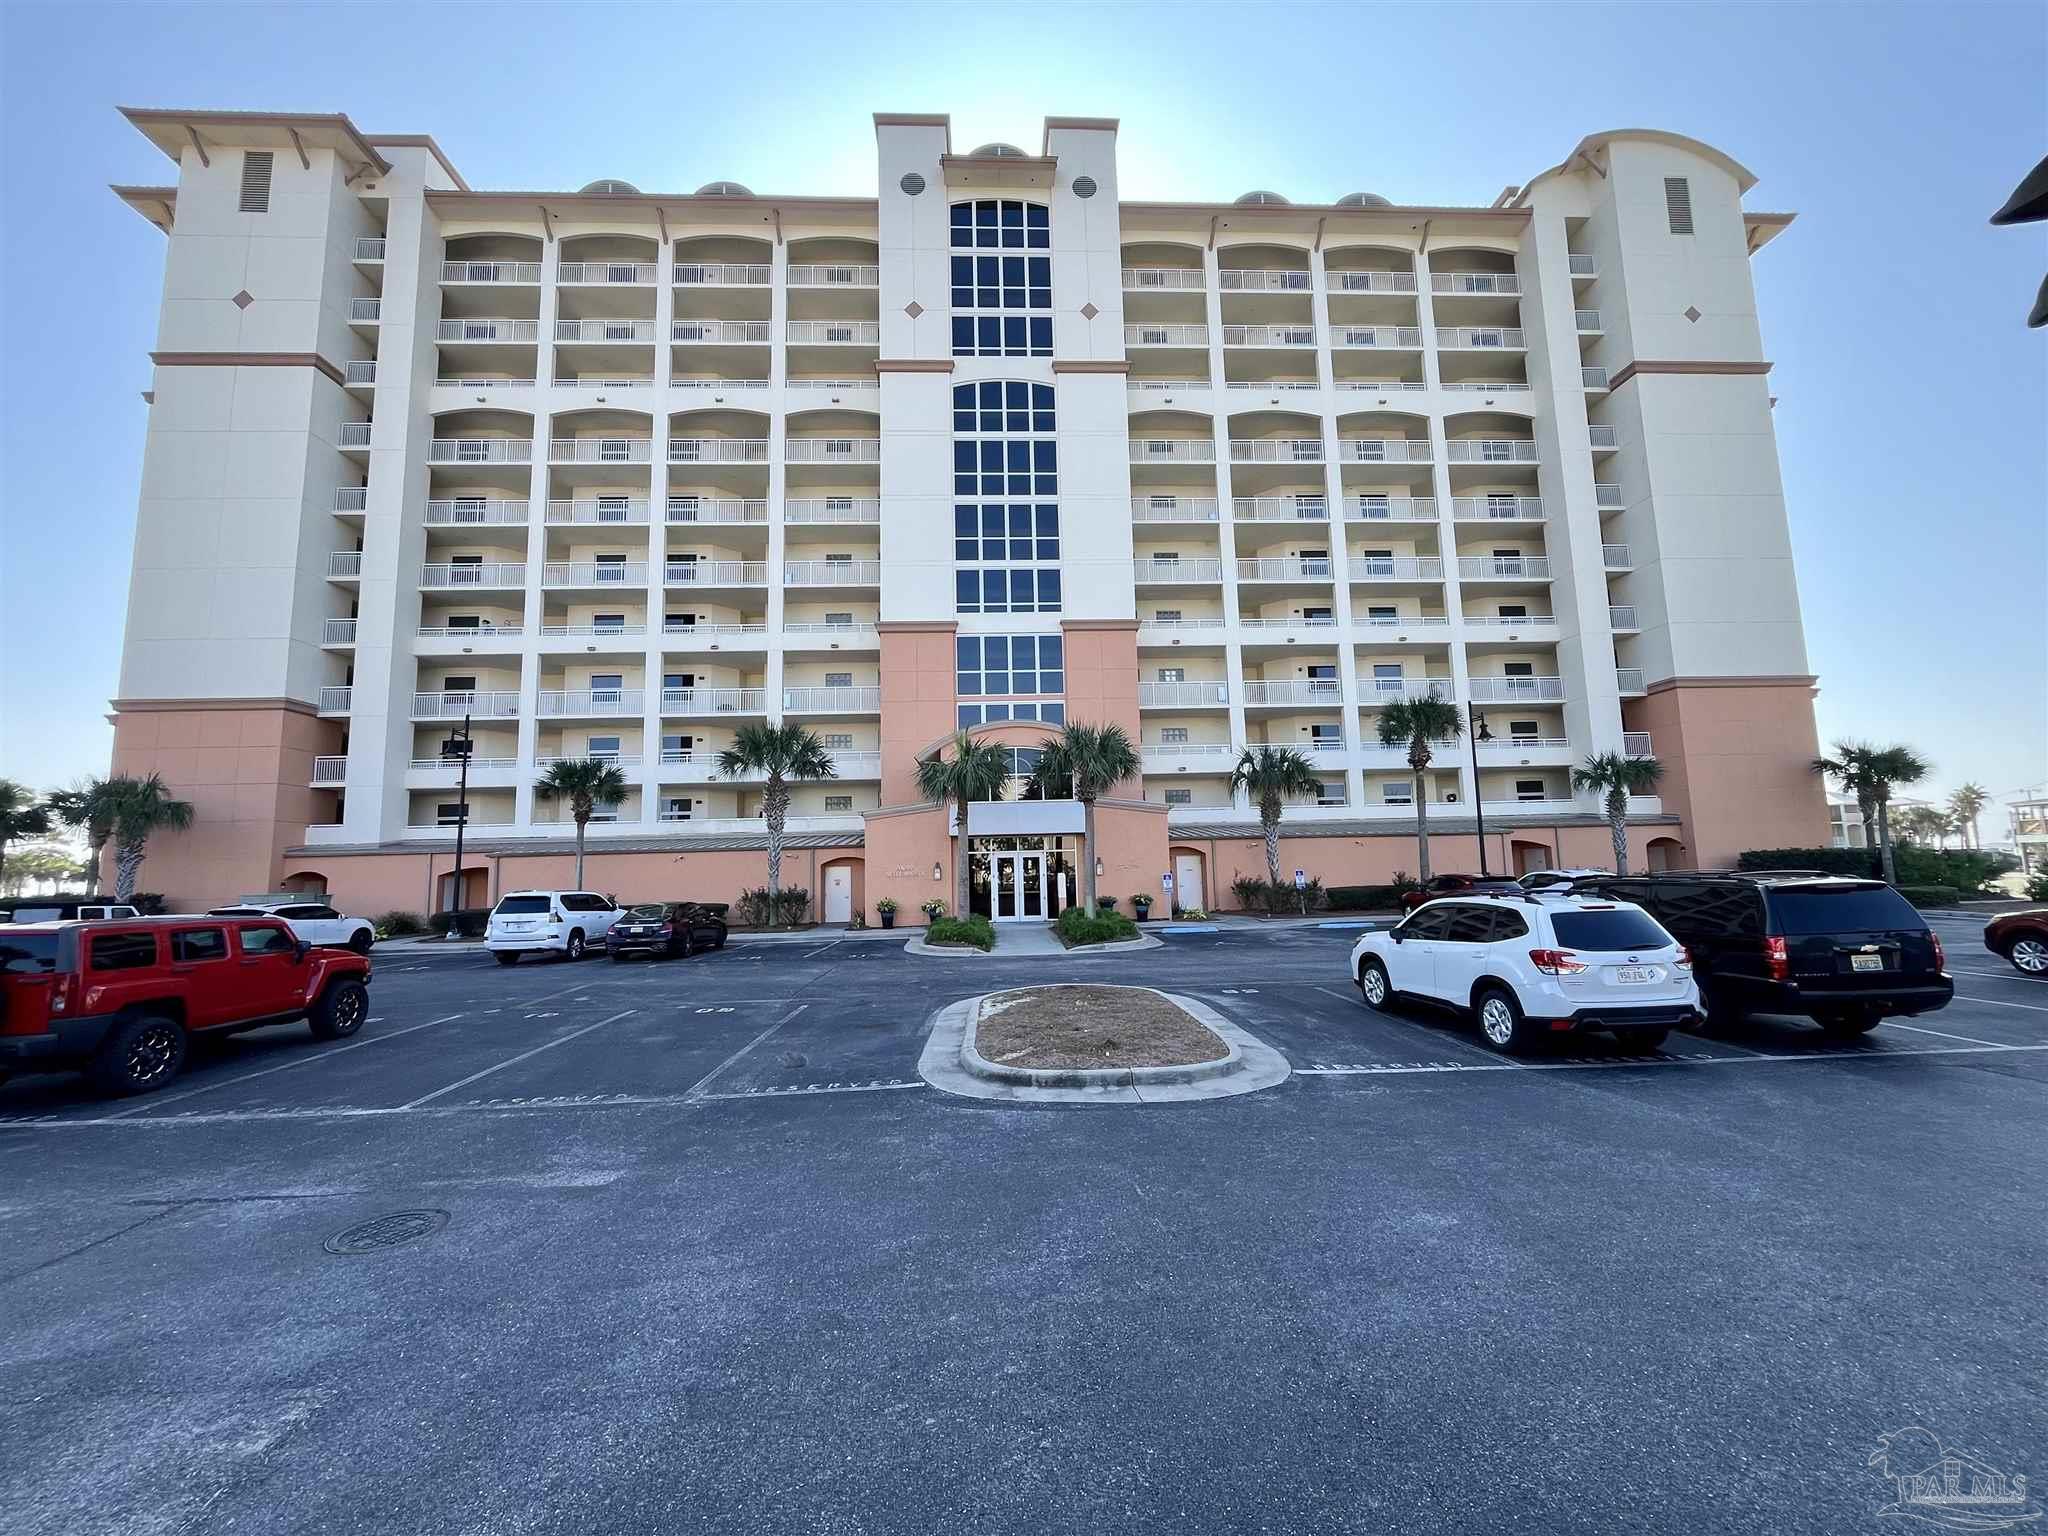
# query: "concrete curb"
1089,1077
947,951
1251,1066
951,951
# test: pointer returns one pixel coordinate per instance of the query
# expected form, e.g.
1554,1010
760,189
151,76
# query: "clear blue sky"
1913,405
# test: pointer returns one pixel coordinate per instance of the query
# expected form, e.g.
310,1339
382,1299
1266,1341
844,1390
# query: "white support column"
1337,544
536,536
1446,528
652,665
1226,532
773,670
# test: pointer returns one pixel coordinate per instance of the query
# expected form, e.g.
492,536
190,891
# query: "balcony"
1172,450
1586,321
329,770
361,373
496,574
470,634
517,272
616,511
831,573
1372,281
1390,509
350,499
614,273
1210,695
454,706
1607,496
1621,618
1272,568
715,573
1397,568
334,701
714,636
616,759
1173,509
718,450
1280,509
1516,690
345,565
1156,571
834,275
1164,279
1506,746
858,700
1628,681
1388,690
1470,338
599,331
1636,744
338,632
1503,568
832,510
1603,439
1384,450
475,512
1190,757
365,311
1542,625
601,450
368,248
1490,450
1380,337
1269,335
603,573
723,274
717,509
1264,280
712,333
1276,450
480,450
1615,557
1593,380
1313,693
353,434
483,330
833,333
1474,283
599,631
832,450
1166,336
1497,509
714,701
1582,264
604,703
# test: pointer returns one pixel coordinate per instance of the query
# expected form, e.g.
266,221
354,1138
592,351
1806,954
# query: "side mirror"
300,949
1397,936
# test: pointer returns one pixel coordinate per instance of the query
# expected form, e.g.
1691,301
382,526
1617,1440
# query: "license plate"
1637,973
1866,962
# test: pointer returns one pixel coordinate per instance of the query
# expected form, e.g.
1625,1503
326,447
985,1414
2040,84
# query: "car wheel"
574,951
1847,1023
1640,1039
687,945
1373,986
140,1055
720,942
359,941
2028,955
1501,1024
341,1010
505,956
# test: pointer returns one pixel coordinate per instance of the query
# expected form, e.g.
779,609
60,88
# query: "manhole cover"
386,1231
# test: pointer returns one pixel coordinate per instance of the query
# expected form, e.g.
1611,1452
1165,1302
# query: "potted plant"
1105,903
933,910
887,907
1141,906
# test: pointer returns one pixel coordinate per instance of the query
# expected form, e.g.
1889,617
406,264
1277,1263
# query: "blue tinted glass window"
1053,714
967,591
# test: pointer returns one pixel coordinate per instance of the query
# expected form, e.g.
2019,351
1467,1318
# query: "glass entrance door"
1031,885
1019,887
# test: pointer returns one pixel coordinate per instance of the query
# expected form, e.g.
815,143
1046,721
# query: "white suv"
1528,966
313,921
565,923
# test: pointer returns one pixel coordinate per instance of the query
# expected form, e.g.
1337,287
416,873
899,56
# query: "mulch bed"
1092,1027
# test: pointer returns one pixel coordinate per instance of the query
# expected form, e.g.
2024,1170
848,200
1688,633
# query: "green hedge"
1967,869
1256,895
1369,898
2037,888
1078,927
1931,895
975,930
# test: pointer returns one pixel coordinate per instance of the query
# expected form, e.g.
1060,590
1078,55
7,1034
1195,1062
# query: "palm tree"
141,807
1416,723
586,783
783,755
89,807
1965,805
976,771
1092,759
1620,776
1922,824
1850,767
1269,776
21,815
1889,766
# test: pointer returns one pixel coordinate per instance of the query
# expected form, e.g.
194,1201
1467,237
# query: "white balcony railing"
450,763
1587,321
1269,335
1397,568
490,271
1593,378
1603,437
1505,745
1276,450
1636,743
344,564
832,509
714,701
445,705
812,274
1520,624
474,511
675,629
1474,282
351,498
1497,509
837,386
334,700
1503,567
1166,335
860,699
1173,509
365,309
717,509
718,450
1384,450
1264,280
1182,756
604,330
330,770
474,573
468,632
1203,695
832,450
589,701
1163,386
1629,680
723,274
1621,617
1515,690
1385,690
601,450
602,573
1583,264
831,573
624,511
1315,692
1202,569
715,573
594,381
1172,450
1398,337
1283,568
1607,496
1490,450
1480,338
1370,281
480,450
833,333
610,272
1398,509
1181,279
480,329
1292,623
1615,557
591,631
722,332
338,632
1280,509
361,373
857,764
369,248
354,434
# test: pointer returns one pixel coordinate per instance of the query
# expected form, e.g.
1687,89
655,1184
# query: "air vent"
1678,204
1084,186
256,181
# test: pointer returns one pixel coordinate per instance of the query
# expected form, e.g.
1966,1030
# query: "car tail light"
1776,960
1557,962
1684,958
555,918
1940,955
664,929
60,993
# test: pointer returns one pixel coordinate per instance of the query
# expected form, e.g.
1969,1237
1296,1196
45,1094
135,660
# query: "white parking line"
697,1089
283,1066
427,1098
1490,1059
1921,1029
1376,1068
1999,1002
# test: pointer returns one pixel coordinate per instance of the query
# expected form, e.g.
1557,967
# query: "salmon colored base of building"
1738,762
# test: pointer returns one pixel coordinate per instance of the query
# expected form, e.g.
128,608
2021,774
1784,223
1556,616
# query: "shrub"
1192,915
2037,888
1969,870
1078,927
400,925
1368,898
791,904
1250,892
972,930
886,904
1931,895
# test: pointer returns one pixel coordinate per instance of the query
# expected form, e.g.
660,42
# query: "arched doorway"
839,891
1190,879
1528,857
1665,853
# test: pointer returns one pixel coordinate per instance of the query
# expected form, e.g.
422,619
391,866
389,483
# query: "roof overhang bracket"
1212,229
661,219
547,224
196,144
299,145
1319,232
357,173
778,224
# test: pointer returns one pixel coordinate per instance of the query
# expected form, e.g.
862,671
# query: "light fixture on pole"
1476,735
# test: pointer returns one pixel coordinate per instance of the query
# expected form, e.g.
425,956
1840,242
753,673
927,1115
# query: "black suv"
1845,953
667,928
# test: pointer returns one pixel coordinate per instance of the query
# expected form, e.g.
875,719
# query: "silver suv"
565,923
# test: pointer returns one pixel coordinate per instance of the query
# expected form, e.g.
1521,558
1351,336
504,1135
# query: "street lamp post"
1474,736
461,822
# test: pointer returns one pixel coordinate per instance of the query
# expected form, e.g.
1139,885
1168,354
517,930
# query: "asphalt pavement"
704,1253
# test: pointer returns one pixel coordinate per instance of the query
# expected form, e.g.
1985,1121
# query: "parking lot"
716,1258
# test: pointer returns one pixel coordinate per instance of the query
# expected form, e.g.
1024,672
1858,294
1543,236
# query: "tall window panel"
1010,677
1006,514
1002,279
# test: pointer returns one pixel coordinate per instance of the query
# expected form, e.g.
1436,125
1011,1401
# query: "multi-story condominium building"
547,474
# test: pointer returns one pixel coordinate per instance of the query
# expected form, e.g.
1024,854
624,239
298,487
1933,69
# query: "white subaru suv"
1528,966
564,923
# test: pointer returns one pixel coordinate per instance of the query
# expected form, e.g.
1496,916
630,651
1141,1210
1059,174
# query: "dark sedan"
2022,937
667,928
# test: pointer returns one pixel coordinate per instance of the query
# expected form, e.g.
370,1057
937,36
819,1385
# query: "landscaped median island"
1093,1044
1076,928
971,932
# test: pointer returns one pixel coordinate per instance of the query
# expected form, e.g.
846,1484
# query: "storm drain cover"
386,1231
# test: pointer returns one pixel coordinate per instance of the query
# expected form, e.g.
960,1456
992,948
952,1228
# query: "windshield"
37,914
28,954
1620,929
517,904
1841,909
648,911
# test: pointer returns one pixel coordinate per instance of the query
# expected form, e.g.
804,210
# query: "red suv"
121,1000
